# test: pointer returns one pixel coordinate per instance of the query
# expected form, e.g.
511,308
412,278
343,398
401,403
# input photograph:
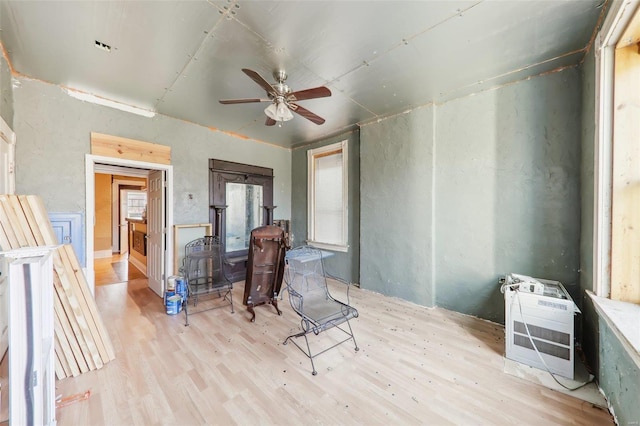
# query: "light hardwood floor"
415,366
115,269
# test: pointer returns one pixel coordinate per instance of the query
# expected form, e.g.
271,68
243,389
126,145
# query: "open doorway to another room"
130,158
134,192
120,205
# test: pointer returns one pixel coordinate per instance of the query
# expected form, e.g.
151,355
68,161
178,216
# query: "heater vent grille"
543,347
543,333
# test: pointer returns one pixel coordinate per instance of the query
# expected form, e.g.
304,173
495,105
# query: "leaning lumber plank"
67,280
70,310
90,301
76,356
5,244
17,214
31,220
85,302
76,298
60,358
60,373
63,347
79,309
9,230
42,220
9,213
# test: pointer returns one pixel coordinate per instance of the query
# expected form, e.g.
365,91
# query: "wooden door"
156,249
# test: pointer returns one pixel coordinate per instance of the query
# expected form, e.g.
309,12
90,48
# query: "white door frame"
7,158
90,163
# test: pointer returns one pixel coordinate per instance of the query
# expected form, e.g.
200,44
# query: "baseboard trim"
101,254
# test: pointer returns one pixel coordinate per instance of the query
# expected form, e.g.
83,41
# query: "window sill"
326,246
623,319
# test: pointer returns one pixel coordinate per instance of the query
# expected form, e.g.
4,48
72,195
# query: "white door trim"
90,165
8,154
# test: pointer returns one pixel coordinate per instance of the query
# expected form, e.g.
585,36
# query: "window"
617,168
327,197
136,204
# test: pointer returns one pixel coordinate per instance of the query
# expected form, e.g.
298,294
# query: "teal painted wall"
343,265
53,132
619,377
507,190
456,195
396,230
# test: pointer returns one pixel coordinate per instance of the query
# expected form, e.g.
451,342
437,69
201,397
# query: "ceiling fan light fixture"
278,112
282,101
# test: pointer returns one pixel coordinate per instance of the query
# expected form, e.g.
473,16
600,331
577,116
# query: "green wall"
396,229
619,377
454,196
507,190
343,265
53,132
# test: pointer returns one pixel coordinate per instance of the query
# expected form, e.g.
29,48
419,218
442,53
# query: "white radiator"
539,314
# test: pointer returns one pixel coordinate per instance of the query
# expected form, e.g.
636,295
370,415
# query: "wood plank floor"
115,269
415,366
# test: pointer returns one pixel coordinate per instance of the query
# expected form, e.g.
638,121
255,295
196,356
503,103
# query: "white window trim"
311,196
615,313
603,170
614,25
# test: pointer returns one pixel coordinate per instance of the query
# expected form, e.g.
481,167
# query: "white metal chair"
311,300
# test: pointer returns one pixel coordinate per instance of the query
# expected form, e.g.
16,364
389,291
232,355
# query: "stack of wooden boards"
81,340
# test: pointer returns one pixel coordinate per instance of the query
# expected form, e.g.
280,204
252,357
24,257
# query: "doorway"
160,217
128,200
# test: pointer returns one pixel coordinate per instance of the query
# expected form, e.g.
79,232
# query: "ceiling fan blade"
269,122
258,79
242,101
316,92
306,113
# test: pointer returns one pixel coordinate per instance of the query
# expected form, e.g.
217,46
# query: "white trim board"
101,254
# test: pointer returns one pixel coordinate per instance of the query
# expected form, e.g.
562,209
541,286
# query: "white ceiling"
377,57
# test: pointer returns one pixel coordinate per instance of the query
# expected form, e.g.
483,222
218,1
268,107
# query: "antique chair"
265,268
204,276
310,298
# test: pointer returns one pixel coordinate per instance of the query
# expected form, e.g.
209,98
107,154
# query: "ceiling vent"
102,46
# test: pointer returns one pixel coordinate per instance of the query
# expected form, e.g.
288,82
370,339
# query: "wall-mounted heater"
539,324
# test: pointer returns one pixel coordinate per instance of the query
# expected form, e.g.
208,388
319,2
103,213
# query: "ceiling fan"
282,99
